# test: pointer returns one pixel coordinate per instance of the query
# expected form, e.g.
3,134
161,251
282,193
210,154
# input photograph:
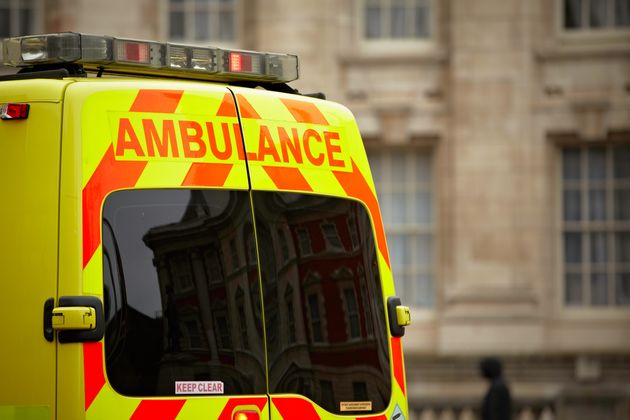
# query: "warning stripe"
111,174
245,108
305,112
227,107
93,371
355,185
157,410
207,174
153,100
397,359
295,408
287,178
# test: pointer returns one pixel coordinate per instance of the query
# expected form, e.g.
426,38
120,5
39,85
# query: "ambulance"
184,236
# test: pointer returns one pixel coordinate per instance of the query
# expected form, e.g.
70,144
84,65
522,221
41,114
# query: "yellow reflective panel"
30,412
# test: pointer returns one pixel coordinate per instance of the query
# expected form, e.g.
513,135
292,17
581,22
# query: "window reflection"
174,308
326,301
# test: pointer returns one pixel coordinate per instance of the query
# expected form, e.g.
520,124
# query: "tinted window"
182,298
323,302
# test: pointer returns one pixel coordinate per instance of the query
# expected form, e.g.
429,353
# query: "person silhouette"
497,403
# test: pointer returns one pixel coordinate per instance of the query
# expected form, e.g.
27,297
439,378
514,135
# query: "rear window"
182,296
182,291
324,314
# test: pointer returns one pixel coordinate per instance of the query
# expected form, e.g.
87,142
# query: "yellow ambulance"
184,236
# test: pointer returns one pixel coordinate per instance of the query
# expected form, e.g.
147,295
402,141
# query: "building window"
234,255
404,185
333,241
194,335
596,225
242,320
288,299
352,312
181,272
214,271
596,14
284,246
305,242
17,17
396,19
316,321
202,20
221,323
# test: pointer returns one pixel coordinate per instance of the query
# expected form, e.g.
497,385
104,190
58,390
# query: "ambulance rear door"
157,225
30,133
325,269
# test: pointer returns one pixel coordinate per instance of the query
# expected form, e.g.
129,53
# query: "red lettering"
331,148
266,146
127,139
293,145
152,138
312,134
227,151
185,128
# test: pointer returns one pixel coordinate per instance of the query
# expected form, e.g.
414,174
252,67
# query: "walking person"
497,404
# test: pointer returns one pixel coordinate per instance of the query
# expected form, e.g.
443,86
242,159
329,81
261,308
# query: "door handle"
74,318
77,319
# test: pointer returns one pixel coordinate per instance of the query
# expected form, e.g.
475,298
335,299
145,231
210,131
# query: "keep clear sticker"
355,406
198,387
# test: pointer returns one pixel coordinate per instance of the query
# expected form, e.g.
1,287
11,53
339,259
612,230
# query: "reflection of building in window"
288,299
396,19
354,233
404,182
596,225
181,272
352,312
234,255
225,341
214,271
316,321
359,391
202,20
305,241
17,17
596,14
328,395
251,249
332,236
272,325
284,247
367,309
193,334
242,320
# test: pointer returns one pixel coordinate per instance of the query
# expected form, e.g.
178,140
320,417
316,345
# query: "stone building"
499,134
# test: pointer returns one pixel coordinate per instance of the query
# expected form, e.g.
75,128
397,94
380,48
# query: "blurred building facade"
499,135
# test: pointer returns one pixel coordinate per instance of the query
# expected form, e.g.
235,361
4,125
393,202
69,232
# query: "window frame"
37,19
397,46
188,6
411,230
586,34
585,310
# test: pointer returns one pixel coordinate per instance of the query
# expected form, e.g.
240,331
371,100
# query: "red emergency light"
246,415
14,111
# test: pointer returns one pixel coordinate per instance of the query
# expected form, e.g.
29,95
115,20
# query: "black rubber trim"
73,336
49,333
394,328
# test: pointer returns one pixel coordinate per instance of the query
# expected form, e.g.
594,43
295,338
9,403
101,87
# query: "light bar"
147,57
